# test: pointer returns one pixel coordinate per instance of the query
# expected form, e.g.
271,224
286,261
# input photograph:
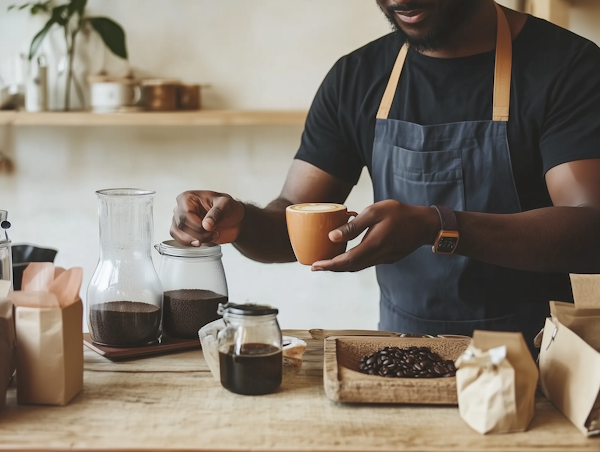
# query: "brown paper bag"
7,341
570,355
48,323
496,381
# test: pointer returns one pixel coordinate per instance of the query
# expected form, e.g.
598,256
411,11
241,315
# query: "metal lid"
247,309
174,248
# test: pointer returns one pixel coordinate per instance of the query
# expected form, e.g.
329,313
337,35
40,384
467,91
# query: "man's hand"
206,216
394,231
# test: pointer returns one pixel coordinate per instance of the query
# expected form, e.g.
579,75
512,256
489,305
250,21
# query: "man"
495,167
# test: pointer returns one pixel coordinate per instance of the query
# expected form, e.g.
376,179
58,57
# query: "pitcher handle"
137,94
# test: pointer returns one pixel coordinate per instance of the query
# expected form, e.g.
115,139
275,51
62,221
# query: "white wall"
584,19
267,54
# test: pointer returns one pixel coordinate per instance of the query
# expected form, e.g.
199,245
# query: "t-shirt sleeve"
325,144
571,130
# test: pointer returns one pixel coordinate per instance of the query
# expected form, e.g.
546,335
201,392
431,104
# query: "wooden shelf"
179,118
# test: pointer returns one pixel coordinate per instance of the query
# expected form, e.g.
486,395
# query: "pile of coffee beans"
408,362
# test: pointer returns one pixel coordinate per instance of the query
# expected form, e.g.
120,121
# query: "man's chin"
421,41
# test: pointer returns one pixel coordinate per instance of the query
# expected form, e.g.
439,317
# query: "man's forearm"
553,239
264,236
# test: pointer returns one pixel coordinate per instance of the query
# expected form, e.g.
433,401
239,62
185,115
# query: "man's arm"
260,234
562,238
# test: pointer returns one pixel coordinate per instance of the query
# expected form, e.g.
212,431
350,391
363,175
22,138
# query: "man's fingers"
216,213
188,216
358,258
188,236
350,230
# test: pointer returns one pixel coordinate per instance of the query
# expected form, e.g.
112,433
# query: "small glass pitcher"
5,249
125,296
250,349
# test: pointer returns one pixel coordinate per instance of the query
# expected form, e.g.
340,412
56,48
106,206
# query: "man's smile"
412,16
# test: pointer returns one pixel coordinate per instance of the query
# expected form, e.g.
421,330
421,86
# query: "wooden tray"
168,344
344,383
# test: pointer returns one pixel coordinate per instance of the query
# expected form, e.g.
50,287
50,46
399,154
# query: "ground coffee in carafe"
126,323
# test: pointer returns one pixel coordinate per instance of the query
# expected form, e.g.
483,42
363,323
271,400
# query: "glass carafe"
125,296
250,349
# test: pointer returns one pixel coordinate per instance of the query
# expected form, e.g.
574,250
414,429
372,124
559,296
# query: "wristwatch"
447,238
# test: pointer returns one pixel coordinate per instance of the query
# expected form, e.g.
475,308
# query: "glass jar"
194,286
124,298
250,349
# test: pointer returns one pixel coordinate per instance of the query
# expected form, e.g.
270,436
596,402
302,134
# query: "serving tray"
344,383
167,345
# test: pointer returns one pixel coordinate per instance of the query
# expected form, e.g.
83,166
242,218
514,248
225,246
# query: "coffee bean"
408,362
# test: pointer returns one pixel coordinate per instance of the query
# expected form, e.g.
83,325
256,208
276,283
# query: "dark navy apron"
466,166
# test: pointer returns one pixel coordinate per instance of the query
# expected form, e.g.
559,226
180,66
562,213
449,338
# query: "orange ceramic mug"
309,226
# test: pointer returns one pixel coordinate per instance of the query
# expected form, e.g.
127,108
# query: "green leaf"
41,7
37,40
77,6
111,33
11,7
23,6
60,15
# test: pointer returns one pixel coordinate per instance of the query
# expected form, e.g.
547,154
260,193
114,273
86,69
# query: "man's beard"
453,16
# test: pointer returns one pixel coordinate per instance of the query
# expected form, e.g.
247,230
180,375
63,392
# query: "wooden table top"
173,402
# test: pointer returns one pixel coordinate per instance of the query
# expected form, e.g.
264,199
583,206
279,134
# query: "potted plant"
72,19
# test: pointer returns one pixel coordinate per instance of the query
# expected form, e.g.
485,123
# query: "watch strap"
447,218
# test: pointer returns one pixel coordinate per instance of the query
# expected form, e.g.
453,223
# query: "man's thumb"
347,232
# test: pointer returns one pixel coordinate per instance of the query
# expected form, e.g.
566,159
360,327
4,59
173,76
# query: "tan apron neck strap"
502,72
390,90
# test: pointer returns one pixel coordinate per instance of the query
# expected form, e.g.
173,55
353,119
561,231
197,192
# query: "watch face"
446,244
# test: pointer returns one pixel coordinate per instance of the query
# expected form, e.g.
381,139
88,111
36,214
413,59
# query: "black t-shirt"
554,109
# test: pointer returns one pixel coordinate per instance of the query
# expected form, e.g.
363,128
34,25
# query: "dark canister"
194,285
250,349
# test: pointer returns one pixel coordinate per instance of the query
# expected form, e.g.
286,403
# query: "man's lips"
412,16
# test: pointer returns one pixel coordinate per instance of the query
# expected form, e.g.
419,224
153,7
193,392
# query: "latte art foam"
317,207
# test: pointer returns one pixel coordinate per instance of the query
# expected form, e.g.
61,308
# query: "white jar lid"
174,248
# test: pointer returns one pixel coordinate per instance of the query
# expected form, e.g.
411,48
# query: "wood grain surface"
344,383
172,402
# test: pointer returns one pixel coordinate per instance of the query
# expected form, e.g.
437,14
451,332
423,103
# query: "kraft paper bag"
48,323
496,381
8,344
570,355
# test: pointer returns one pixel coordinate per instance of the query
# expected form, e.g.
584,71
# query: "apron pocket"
427,178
